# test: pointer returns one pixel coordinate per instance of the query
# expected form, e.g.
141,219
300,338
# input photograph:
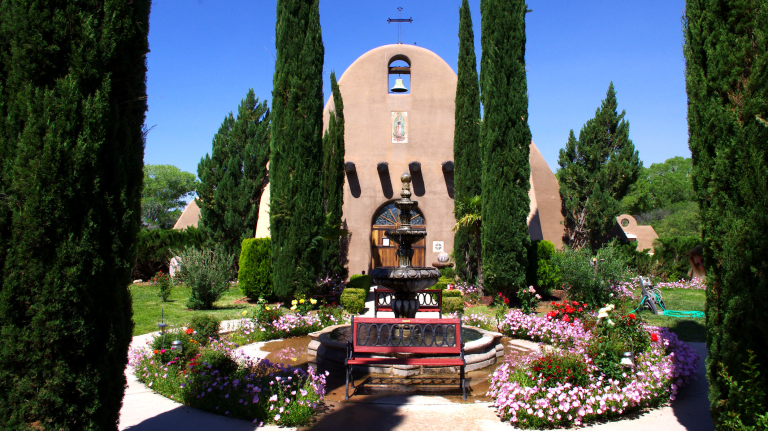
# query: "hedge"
359,281
255,275
452,304
353,299
153,251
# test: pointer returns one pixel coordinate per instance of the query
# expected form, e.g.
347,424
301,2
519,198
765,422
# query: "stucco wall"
368,107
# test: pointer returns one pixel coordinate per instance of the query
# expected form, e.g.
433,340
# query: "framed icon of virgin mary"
399,127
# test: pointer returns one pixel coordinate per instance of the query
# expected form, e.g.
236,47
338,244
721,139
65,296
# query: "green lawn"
147,306
687,329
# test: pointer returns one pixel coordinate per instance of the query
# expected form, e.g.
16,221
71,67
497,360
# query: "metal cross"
399,20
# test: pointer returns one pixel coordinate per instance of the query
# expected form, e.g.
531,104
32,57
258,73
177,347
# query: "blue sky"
206,54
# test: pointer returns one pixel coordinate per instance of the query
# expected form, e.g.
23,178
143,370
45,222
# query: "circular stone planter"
329,352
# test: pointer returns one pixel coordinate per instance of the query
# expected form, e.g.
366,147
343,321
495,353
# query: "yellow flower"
293,308
244,313
313,301
294,302
266,308
301,301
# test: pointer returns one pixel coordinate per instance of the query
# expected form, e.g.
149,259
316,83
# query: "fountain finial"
406,192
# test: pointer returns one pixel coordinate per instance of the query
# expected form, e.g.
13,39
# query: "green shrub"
542,272
353,300
442,283
255,275
451,294
207,273
448,272
205,327
153,251
359,281
585,284
452,304
163,282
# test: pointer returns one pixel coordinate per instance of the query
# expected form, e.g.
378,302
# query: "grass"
147,306
687,329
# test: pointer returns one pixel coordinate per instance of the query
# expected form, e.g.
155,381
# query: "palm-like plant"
468,212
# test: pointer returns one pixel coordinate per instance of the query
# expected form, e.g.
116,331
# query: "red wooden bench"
438,337
429,300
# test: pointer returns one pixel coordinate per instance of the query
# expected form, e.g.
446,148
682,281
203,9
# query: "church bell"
399,86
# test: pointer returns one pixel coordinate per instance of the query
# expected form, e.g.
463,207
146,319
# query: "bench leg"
463,387
346,386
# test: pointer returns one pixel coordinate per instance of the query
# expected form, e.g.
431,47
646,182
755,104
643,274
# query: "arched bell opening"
399,75
383,250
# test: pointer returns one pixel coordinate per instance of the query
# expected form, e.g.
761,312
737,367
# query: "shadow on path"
691,407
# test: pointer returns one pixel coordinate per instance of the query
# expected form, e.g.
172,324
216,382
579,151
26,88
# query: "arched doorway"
383,251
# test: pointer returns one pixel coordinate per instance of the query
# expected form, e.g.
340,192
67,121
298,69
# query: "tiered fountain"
404,279
328,346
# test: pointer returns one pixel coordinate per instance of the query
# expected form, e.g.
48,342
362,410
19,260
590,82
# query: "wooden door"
383,250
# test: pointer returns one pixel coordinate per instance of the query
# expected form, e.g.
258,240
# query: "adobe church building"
387,134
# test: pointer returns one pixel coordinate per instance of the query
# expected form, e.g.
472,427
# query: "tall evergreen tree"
726,51
466,143
595,173
296,191
72,106
333,184
506,141
233,177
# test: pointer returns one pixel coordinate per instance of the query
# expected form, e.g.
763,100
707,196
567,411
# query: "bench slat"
448,362
454,350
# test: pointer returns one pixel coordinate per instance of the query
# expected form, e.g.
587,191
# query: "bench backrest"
430,336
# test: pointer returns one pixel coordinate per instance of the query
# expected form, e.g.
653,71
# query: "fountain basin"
328,347
410,279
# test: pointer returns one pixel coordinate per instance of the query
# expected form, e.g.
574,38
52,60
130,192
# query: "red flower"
189,331
499,293
566,318
654,338
506,300
631,316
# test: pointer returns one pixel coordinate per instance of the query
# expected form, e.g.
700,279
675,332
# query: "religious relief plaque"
399,127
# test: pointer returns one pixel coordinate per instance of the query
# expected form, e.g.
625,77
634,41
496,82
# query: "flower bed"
693,284
578,382
216,377
219,379
268,324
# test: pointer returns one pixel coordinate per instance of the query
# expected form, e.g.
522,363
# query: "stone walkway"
144,410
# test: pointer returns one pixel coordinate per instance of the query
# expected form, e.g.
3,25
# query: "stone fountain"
405,279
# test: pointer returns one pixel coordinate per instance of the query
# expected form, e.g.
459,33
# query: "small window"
399,74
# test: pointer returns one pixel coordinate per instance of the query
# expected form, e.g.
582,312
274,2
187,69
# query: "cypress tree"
72,102
466,142
333,183
296,191
595,173
726,49
506,141
233,177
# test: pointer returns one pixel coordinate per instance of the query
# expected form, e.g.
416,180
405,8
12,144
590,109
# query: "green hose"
680,314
